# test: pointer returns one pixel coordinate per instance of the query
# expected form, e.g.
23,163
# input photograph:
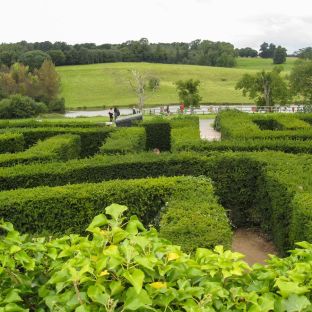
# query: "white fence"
204,110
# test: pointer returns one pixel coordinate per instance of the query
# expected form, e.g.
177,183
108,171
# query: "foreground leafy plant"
121,266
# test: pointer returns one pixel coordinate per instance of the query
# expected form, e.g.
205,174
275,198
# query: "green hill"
98,85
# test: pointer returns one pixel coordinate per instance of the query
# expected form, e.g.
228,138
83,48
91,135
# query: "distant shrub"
57,106
18,106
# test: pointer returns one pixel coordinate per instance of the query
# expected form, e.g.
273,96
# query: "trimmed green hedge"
277,203
125,140
11,142
279,122
91,138
194,218
185,130
158,135
284,145
257,188
37,123
237,125
40,209
61,147
101,168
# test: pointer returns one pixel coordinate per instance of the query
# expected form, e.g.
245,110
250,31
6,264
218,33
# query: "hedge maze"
55,177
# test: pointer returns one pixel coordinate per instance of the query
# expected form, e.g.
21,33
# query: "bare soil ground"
254,244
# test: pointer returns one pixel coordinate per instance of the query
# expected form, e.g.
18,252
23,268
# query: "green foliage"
40,123
188,92
247,52
267,50
101,168
184,131
57,57
158,135
301,80
18,106
57,106
266,88
91,137
123,267
11,142
78,204
235,124
125,140
305,53
34,59
196,208
280,55
61,147
43,84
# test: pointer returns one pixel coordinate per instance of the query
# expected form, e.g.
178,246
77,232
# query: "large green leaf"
97,221
96,293
135,301
136,278
296,303
115,210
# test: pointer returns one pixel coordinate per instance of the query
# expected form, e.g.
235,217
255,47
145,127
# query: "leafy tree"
301,80
34,59
57,57
188,92
280,54
49,81
247,52
266,88
267,50
305,53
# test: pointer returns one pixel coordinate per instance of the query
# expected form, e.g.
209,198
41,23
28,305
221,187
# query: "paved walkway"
207,132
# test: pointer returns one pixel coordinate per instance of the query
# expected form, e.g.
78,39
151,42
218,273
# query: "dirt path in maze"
253,244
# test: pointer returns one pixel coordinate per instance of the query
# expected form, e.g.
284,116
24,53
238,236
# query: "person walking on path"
116,113
111,115
182,108
133,110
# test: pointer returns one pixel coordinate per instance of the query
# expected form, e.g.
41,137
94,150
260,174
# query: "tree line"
197,52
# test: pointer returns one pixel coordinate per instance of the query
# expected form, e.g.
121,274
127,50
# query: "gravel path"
207,132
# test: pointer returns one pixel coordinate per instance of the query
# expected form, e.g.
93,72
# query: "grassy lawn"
99,85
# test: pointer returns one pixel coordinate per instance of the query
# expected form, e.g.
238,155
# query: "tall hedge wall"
158,135
40,209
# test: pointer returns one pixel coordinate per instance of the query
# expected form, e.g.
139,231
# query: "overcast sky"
241,22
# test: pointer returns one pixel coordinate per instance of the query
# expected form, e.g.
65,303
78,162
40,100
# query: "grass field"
99,85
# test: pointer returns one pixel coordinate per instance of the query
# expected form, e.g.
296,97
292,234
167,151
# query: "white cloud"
242,22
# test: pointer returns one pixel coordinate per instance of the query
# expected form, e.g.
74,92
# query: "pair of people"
113,114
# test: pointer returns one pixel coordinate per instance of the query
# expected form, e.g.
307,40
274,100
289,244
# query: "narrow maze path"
207,132
253,244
